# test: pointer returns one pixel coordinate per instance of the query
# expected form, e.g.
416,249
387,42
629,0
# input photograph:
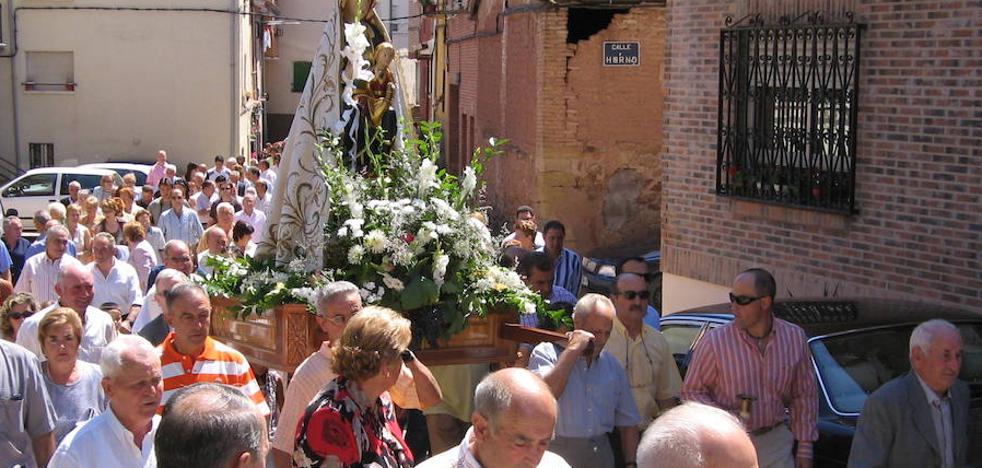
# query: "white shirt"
121,285
269,175
143,258
461,457
184,226
264,203
943,424
257,220
98,330
39,275
104,442
539,242
213,173
150,310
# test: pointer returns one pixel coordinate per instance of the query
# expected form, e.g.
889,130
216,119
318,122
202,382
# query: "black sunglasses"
631,295
19,315
743,300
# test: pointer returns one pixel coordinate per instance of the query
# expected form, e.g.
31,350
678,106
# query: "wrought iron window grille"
788,95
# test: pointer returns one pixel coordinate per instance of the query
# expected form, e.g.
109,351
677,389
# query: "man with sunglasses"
759,368
643,351
179,223
336,304
639,266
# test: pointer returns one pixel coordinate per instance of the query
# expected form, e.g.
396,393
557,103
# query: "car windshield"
853,365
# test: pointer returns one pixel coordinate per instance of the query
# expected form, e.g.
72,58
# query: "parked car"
36,188
857,345
141,171
598,274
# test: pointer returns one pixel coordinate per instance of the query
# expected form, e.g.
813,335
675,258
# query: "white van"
36,188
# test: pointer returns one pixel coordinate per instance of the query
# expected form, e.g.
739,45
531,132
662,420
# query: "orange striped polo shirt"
216,363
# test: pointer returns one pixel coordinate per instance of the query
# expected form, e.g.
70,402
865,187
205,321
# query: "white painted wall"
146,81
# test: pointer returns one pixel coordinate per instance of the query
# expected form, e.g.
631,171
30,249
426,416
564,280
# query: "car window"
854,365
88,181
36,185
141,178
680,337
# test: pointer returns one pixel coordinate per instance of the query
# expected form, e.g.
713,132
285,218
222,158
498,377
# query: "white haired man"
156,328
250,215
513,421
695,435
337,302
592,390
123,436
921,418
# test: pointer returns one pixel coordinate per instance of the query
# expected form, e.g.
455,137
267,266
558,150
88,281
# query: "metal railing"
8,170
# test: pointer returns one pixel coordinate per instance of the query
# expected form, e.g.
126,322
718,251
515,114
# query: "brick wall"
919,164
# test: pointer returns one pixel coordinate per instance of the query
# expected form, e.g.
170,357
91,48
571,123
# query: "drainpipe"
236,92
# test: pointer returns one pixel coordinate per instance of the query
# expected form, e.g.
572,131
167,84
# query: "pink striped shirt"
728,362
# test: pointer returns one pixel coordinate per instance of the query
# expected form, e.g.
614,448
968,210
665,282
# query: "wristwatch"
407,356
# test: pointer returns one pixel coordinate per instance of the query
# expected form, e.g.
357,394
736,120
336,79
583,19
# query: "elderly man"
921,418
537,271
73,286
569,270
188,355
123,436
74,187
40,271
217,242
225,217
150,324
695,435
179,222
643,351
16,244
592,389
158,170
39,244
759,366
203,201
525,213
336,304
211,425
513,421
639,266
264,199
177,256
252,216
27,434
115,281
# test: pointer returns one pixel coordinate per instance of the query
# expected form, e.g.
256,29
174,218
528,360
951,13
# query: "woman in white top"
154,235
143,256
79,233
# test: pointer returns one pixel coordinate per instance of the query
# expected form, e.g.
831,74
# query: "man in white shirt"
264,200
74,286
40,271
115,281
509,405
265,172
250,215
202,202
178,223
123,436
336,304
219,169
525,213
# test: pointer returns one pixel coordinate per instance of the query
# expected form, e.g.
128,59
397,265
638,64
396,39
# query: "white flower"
370,285
296,265
470,179
440,268
375,241
426,178
355,253
443,209
343,232
354,35
530,308
392,283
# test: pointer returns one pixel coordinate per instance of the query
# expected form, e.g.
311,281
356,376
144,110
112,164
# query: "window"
300,72
787,113
37,185
41,154
87,181
50,71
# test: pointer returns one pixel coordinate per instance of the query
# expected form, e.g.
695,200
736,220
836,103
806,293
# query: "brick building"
585,139
912,225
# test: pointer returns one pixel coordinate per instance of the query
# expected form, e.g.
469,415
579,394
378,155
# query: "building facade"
82,81
905,224
585,134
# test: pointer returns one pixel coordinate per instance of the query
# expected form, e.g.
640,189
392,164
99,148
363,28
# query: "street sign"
622,54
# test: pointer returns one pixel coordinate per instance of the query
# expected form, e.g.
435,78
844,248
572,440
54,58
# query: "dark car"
857,345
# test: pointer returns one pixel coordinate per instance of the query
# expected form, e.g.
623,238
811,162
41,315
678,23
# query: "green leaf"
418,293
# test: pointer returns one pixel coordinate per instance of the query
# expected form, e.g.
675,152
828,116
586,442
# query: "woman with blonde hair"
143,257
128,198
111,223
75,386
77,231
14,311
352,422
90,216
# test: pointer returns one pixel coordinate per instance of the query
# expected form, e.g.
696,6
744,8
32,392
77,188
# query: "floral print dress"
337,424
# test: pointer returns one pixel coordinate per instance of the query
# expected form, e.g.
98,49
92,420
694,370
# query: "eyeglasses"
338,319
19,315
743,300
631,295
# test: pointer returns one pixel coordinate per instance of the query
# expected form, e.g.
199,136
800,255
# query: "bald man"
513,421
695,435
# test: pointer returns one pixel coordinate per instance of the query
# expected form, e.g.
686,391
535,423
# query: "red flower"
408,237
732,170
329,434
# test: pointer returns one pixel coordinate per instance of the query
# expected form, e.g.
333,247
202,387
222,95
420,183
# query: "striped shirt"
728,362
216,363
39,275
184,226
569,271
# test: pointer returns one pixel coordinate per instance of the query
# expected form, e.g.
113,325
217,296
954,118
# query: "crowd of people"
106,360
